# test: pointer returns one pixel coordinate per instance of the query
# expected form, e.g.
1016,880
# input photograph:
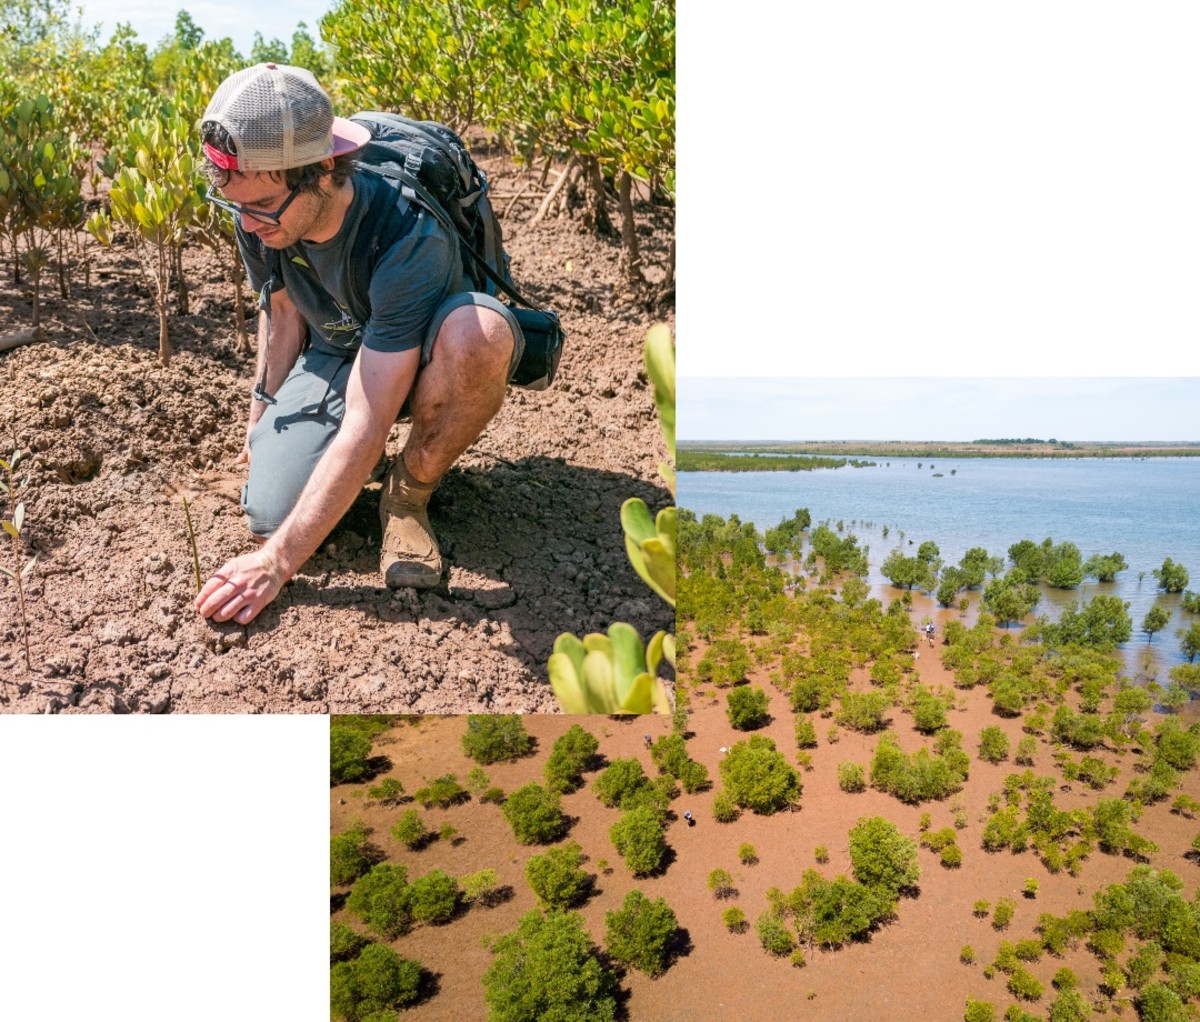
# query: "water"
1146,509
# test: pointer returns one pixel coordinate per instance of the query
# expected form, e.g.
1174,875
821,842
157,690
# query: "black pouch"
543,347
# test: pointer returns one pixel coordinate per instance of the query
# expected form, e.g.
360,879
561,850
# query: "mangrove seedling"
13,526
187,512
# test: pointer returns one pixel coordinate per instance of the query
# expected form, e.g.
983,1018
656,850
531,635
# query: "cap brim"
348,136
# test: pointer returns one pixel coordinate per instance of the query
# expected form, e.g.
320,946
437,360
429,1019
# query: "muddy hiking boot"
409,558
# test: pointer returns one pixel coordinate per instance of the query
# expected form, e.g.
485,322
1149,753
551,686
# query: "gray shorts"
294,431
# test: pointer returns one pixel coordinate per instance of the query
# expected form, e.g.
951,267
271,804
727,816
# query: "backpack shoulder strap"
413,190
371,241
274,283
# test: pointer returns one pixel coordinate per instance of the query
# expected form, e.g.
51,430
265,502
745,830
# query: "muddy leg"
455,397
459,391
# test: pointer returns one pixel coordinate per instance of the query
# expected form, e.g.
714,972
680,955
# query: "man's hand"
241,588
375,391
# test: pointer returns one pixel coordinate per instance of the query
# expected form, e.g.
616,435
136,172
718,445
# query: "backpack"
429,165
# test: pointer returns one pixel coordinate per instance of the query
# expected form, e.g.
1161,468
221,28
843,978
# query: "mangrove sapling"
187,512
155,201
735,920
13,526
720,882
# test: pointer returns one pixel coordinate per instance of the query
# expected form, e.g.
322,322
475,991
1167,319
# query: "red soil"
909,969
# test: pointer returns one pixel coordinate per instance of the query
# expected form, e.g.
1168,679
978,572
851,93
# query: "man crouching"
330,383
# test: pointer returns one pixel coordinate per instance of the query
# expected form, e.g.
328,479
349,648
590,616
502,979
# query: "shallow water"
1145,508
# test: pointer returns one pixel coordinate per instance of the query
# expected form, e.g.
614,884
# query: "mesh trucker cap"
279,118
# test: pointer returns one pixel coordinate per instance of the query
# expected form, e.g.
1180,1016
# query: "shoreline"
938,449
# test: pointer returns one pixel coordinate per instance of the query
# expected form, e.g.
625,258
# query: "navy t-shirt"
410,280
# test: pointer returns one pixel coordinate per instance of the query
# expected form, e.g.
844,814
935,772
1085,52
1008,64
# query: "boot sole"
411,576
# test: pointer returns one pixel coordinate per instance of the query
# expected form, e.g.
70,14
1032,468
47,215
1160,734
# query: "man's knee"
264,511
475,336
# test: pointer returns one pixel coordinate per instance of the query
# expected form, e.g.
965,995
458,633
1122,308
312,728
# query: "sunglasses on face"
254,214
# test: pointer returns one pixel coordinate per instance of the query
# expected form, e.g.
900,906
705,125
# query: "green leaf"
640,697
594,642
599,682
565,680
614,676
628,658
570,647
654,650
636,520
660,365
651,546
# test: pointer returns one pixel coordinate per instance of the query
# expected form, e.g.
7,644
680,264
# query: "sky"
939,189
151,20
947,409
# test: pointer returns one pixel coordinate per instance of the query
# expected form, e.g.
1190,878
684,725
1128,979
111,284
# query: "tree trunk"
667,288
164,341
553,194
181,288
631,259
595,216
570,191
85,258
163,293
64,281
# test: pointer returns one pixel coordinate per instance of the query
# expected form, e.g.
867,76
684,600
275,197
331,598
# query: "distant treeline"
707,461
932,451
1028,440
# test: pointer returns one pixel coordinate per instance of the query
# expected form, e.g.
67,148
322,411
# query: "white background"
164,868
984,188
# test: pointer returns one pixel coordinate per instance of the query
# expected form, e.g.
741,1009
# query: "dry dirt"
527,519
909,969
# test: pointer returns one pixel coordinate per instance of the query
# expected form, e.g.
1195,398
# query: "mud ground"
527,519
908,970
